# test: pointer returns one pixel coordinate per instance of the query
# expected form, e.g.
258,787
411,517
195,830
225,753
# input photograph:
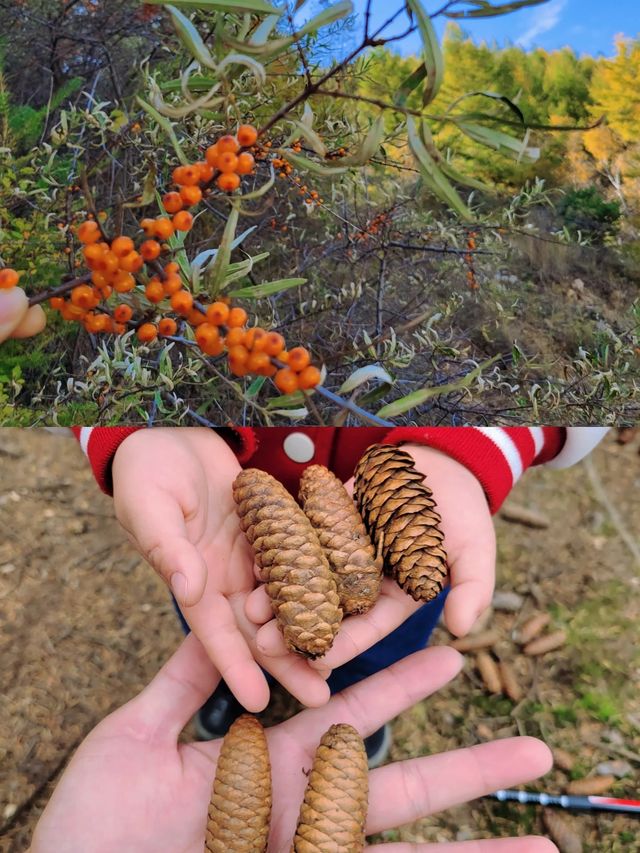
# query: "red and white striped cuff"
100,444
497,456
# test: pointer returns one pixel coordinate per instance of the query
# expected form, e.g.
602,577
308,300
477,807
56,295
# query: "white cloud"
543,20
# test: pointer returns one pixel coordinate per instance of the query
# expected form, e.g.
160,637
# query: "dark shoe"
378,745
217,714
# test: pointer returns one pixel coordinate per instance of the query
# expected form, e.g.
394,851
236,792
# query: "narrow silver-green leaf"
432,175
417,398
365,374
191,38
369,147
215,274
260,7
498,140
449,170
487,10
433,58
409,85
268,288
304,164
166,125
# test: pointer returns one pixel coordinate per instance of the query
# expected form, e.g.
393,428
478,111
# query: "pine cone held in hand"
240,807
334,812
299,582
344,538
399,512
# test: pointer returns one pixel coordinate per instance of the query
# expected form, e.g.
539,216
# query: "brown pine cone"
299,582
240,807
344,538
399,512
334,812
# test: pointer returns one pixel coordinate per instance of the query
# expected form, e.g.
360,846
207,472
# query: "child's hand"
132,786
17,320
470,545
172,493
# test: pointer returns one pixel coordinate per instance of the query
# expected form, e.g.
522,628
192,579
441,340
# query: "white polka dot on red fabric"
299,447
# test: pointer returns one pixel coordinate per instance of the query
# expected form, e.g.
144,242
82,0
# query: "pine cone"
399,512
299,581
344,538
240,807
334,811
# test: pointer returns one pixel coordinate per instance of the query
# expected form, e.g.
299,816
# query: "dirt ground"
85,624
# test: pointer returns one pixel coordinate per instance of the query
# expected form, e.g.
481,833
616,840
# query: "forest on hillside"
452,237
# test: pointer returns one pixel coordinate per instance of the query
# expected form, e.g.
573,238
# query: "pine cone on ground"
240,807
334,812
299,582
344,538
399,512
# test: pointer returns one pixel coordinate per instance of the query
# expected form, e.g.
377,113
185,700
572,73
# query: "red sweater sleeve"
100,445
497,456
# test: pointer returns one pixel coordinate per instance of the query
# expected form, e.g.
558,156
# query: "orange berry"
237,317
183,221
212,156
154,291
149,226
92,324
238,369
208,338
163,228
207,171
227,145
190,176
182,302
93,255
299,358
119,328
228,183
217,313
109,264
103,292
286,381
172,202
133,262
259,362
191,195
124,282
172,284
274,344
172,268
246,164
147,333
71,313
196,318
227,162
167,327
56,303
247,135
8,279
89,232
178,175
255,339
150,250
309,378
123,313
121,246
235,337
238,355
83,297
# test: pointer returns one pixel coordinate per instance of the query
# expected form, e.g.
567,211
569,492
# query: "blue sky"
589,26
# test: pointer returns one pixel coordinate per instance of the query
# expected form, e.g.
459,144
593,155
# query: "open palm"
186,525
132,787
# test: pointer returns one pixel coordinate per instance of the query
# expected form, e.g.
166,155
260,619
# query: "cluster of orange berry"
468,259
8,279
374,226
118,266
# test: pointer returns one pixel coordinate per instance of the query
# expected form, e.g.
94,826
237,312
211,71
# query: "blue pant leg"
407,638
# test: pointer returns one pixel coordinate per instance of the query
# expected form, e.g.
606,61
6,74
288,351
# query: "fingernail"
178,584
